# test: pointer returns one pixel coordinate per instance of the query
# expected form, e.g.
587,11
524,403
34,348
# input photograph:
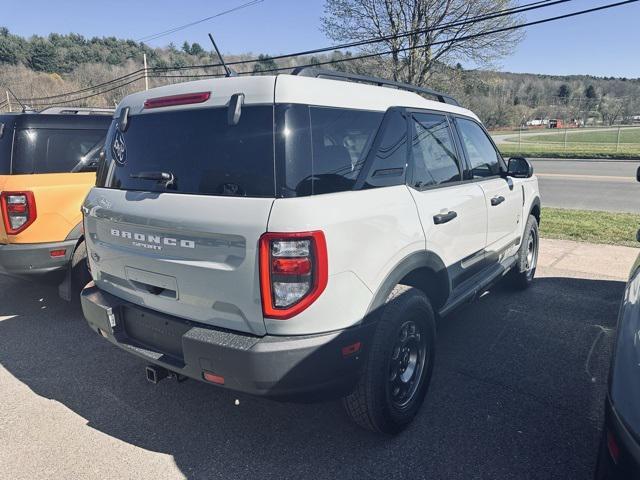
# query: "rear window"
198,149
6,136
45,150
309,150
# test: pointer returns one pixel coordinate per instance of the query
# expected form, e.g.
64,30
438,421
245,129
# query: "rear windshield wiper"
166,178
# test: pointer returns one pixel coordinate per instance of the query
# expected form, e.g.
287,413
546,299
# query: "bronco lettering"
152,239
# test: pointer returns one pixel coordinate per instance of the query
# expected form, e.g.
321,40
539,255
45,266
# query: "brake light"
293,272
18,211
173,100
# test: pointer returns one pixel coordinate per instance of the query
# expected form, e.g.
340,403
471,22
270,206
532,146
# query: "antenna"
229,71
24,107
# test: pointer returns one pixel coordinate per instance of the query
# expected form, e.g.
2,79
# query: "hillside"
37,68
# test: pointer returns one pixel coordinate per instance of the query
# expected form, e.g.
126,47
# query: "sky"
603,43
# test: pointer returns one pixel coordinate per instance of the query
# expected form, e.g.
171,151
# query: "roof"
76,111
76,122
290,89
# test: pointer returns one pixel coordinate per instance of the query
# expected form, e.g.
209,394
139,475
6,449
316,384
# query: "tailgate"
191,256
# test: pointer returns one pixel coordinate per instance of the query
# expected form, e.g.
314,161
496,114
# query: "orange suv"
48,162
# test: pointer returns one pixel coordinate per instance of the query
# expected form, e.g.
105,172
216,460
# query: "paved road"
589,184
515,394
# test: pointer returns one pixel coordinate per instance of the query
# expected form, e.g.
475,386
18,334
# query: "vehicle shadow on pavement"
517,392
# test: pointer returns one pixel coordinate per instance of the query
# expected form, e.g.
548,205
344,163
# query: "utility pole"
146,72
8,100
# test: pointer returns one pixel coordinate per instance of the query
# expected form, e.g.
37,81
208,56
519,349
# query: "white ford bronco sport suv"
295,236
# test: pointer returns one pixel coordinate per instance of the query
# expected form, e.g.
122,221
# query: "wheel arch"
535,209
423,270
76,234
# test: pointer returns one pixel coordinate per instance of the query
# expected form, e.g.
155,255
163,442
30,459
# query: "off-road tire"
522,274
371,404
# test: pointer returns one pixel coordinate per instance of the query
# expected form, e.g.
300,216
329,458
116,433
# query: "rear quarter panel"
58,199
368,233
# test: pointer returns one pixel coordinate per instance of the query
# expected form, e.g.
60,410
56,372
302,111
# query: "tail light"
173,100
18,211
293,272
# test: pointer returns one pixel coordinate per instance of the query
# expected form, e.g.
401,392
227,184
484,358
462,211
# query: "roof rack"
352,77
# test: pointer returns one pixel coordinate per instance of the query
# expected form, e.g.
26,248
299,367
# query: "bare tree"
434,40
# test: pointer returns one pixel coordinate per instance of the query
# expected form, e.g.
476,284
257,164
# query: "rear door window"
198,147
434,155
44,150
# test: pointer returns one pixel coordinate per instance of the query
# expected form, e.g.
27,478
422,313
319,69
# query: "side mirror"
519,167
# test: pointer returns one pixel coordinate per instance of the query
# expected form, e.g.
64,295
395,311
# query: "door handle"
497,200
444,217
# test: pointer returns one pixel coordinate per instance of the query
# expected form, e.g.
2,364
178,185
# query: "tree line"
44,66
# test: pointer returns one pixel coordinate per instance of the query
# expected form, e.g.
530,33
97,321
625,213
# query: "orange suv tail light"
293,272
18,211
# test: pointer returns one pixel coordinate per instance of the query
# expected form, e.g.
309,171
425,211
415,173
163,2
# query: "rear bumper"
34,258
299,368
628,463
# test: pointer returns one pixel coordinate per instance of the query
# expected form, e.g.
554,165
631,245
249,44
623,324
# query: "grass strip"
590,226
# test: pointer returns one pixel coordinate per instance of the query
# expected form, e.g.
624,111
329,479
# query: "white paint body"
368,232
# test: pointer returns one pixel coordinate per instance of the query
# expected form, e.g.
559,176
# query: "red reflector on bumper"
351,349
612,445
57,253
213,378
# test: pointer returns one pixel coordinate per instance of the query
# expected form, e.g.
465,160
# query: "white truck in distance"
296,236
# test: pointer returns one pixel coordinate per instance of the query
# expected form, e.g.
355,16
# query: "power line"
87,89
347,59
459,39
155,36
496,14
479,18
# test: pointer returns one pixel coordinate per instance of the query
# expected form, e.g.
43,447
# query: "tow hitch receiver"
156,374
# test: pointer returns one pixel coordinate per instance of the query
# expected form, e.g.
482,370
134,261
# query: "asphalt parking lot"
517,392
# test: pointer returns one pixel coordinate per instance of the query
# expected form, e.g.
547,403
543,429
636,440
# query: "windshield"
47,150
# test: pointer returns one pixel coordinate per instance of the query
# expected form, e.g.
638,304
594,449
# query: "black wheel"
399,366
80,275
527,260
